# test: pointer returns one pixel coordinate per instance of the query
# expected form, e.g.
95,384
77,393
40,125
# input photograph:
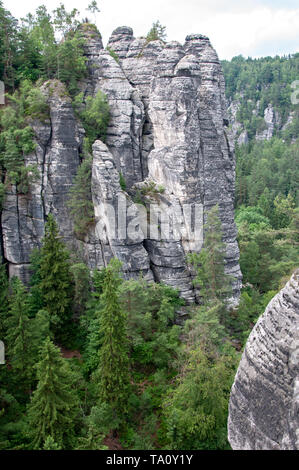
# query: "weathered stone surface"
57,159
124,133
272,121
264,402
168,128
120,41
193,154
117,218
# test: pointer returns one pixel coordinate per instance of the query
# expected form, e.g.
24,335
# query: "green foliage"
283,213
112,375
2,195
10,419
81,277
203,329
93,7
97,425
214,284
150,310
267,256
53,410
19,345
149,188
266,170
94,115
267,175
65,21
50,444
122,182
55,279
43,56
8,46
157,32
256,83
196,409
113,54
36,298
252,217
80,201
17,136
71,63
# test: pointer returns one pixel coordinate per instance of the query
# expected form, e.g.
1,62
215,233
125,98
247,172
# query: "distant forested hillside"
265,124
254,84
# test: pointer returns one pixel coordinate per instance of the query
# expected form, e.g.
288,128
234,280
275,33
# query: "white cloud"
248,27
246,33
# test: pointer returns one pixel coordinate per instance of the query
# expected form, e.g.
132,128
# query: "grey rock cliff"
264,402
168,130
57,159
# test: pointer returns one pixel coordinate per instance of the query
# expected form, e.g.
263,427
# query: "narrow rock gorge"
168,130
264,402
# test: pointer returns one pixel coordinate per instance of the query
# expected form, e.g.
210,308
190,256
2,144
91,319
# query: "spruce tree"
54,408
56,280
19,336
113,371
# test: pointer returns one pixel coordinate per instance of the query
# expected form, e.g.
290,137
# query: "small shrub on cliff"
122,182
113,54
17,135
94,114
156,32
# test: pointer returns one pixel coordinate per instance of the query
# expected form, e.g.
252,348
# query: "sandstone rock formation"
168,130
271,122
264,402
57,159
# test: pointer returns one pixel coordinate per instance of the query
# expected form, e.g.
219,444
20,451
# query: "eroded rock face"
264,402
123,241
168,131
57,159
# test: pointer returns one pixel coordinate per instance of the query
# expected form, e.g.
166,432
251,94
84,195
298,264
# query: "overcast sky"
250,27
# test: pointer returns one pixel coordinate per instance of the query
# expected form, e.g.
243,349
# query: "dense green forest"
94,361
256,83
267,175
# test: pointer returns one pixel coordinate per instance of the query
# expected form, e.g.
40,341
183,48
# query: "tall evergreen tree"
19,336
53,409
8,46
113,371
56,279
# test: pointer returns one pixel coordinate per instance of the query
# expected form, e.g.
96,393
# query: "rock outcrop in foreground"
264,402
168,137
